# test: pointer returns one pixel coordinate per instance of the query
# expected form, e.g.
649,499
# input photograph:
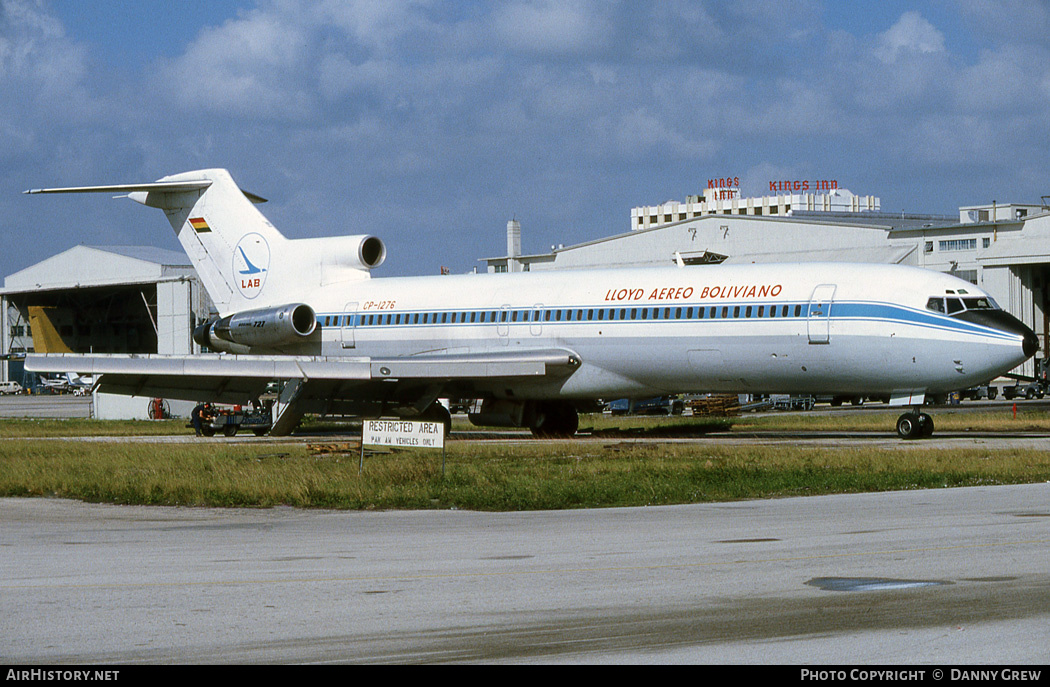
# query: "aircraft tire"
438,413
925,426
555,419
909,426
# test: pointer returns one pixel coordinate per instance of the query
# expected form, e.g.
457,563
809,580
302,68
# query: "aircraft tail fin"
244,262
46,338
229,242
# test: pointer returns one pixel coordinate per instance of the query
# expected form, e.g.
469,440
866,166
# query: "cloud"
1007,21
249,66
551,28
911,34
35,55
427,122
640,132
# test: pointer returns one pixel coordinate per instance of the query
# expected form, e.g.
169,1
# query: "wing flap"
485,365
234,390
239,378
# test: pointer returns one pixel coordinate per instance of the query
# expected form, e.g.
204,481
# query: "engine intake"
371,252
267,327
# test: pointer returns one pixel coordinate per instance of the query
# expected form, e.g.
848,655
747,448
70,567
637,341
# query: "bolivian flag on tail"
199,225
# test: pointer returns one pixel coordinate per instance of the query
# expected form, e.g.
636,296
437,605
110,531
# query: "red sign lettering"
803,185
724,182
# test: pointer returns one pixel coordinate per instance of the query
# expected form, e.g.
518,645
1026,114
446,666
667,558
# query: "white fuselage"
771,328
532,342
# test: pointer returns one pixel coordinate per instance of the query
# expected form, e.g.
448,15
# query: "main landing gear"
438,413
555,420
914,424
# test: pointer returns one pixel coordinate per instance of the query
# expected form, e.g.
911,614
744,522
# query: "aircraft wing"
242,378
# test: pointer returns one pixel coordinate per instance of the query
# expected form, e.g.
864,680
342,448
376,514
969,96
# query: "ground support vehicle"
661,405
839,400
229,422
789,402
979,393
1031,388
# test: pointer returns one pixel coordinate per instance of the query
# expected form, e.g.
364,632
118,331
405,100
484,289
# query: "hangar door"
112,319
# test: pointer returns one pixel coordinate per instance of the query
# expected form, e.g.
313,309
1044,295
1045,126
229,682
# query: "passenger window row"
534,315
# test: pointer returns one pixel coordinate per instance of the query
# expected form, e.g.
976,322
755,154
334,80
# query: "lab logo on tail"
251,261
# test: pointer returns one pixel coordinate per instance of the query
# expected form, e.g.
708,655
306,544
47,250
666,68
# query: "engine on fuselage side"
269,328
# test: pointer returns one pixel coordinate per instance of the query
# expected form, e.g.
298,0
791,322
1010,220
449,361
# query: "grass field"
881,419
500,476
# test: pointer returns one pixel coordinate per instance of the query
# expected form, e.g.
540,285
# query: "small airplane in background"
535,346
69,382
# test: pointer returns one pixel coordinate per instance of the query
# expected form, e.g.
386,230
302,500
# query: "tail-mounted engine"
266,328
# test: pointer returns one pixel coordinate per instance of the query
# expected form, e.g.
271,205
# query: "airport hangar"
148,300
105,299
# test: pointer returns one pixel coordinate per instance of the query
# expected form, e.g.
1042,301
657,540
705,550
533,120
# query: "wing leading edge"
242,378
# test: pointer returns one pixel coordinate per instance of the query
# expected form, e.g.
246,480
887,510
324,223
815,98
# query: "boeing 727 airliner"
535,346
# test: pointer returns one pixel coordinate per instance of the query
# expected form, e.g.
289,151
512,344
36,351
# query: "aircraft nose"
1030,344
1029,341
1004,321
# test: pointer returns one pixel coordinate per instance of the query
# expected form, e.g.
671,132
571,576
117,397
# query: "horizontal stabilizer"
162,186
153,187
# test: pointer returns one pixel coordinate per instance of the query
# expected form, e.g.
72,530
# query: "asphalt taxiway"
935,577
944,576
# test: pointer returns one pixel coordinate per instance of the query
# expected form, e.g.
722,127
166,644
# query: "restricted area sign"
403,434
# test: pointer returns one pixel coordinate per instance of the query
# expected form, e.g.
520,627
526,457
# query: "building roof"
159,256
87,266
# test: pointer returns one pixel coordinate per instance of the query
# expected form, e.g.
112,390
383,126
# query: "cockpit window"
952,305
980,304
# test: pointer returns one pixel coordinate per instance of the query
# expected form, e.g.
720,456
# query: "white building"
726,200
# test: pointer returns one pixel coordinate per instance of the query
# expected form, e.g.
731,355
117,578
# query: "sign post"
402,434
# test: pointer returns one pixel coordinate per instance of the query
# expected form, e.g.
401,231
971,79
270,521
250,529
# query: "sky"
431,124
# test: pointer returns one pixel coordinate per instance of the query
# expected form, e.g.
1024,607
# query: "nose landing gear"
914,425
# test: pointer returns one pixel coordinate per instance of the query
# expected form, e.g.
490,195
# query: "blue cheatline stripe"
855,311
891,312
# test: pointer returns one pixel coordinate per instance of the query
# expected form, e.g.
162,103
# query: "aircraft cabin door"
819,314
502,325
536,321
348,324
